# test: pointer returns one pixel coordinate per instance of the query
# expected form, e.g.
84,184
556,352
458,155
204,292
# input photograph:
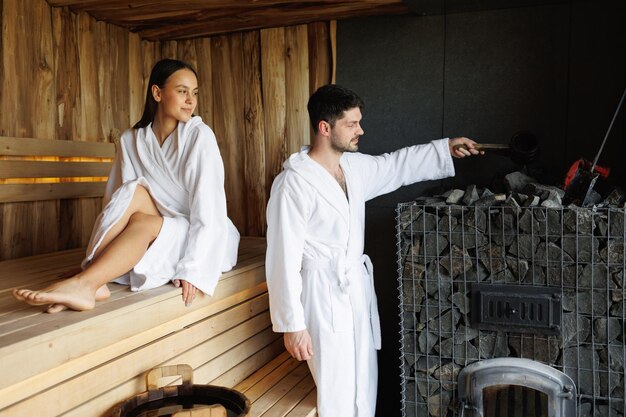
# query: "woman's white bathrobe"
185,178
317,275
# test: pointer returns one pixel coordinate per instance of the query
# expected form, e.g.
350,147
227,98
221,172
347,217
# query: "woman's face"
178,97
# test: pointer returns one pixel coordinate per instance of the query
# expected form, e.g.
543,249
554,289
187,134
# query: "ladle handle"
482,146
153,376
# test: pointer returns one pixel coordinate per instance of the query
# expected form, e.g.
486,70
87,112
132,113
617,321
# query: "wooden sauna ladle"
522,149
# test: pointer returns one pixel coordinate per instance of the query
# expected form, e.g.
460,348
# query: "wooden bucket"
185,400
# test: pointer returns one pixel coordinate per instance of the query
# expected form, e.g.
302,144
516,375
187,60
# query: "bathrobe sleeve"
122,169
201,264
386,173
286,231
115,179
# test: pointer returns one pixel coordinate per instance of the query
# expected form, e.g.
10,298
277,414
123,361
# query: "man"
320,283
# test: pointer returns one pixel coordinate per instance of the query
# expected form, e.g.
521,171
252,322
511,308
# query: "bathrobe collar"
320,179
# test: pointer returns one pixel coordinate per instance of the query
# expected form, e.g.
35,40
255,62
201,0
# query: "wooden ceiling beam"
186,19
252,22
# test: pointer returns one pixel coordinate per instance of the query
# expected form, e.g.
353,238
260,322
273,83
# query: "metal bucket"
524,147
186,399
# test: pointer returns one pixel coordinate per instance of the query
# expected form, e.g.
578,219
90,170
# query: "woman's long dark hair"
159,75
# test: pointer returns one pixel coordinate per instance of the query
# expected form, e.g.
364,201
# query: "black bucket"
524,147
169,400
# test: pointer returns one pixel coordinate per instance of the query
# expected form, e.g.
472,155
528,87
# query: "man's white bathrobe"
185,178
317,275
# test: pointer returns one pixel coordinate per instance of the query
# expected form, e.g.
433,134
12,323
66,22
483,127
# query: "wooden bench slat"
13,193
20,315
45,268
51,327
245,368
103,354
262,372
91,360
279,390
226,330
98,406
47,169
246,276
52,147
260,388
283,387
307,407
292,398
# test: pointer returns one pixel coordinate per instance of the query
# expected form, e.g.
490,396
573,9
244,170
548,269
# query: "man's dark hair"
329,102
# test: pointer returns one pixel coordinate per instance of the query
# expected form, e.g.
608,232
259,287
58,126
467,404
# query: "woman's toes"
55,308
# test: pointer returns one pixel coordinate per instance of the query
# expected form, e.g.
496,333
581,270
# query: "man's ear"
324,127
156,93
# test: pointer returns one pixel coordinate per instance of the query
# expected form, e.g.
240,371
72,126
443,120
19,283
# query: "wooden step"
83,363
282,388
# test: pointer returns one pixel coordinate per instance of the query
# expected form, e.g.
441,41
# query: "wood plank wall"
78,79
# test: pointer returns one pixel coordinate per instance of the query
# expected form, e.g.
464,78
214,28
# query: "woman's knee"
147,223
143,202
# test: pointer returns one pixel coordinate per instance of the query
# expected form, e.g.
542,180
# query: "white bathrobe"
317,275
185,178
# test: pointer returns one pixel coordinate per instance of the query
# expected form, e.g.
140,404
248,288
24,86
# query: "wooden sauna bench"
83,363
282,388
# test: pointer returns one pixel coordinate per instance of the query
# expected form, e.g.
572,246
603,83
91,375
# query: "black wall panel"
506,71
400,82
597,80
555,69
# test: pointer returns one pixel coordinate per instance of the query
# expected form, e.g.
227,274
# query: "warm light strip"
51,180
54,158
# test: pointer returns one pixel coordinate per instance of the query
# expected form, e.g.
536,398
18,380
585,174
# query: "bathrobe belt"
343,270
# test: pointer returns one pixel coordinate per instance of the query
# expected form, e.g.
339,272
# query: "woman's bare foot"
72,293
102,294
70,272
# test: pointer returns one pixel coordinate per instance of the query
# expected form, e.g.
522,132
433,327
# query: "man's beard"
336,145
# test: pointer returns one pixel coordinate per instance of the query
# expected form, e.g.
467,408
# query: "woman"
165,208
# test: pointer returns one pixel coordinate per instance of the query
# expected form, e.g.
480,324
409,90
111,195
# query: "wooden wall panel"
118,41
68,83
205,80
169,49
296,87
320,55
67,77
186,51
28,92
254,145
227,62
274,98
142,56
137,92
90,115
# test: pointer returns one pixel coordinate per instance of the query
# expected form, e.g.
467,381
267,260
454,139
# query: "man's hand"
299,345
189,291
462,147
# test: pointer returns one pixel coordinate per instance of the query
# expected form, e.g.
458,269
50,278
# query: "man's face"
344,136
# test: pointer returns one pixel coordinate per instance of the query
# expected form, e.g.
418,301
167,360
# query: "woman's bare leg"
122,254
121,249
141,203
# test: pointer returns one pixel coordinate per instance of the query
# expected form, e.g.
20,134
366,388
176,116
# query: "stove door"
511,387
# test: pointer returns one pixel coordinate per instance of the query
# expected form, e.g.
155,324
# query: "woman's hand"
189,291
462,147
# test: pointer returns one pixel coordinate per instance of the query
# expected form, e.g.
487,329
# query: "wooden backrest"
45,169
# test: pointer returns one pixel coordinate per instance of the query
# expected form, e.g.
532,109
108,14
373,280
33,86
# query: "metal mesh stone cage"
578,253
